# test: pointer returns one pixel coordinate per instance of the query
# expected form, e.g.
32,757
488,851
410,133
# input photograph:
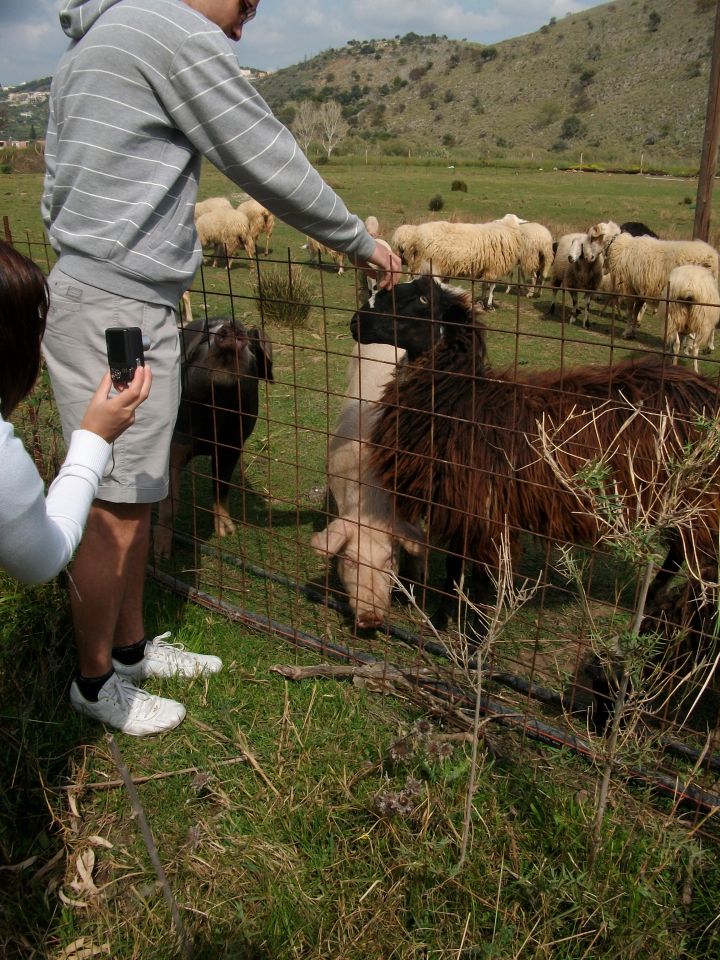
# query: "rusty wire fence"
552,671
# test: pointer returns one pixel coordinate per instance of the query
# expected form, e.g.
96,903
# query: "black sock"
132,654
90,687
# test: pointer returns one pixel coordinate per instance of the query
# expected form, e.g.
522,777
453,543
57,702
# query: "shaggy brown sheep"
458,442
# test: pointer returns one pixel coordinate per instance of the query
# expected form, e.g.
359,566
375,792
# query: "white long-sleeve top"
38,535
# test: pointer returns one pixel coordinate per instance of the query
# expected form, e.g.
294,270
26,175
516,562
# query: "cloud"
285,32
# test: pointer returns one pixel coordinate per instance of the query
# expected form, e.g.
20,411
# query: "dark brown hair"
23,307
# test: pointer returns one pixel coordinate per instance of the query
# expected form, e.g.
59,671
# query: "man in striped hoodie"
147,89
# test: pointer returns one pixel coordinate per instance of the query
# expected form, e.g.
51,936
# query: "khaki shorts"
76,358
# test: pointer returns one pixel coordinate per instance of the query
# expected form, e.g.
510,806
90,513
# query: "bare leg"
108,576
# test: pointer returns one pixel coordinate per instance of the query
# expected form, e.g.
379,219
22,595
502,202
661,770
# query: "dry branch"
150,846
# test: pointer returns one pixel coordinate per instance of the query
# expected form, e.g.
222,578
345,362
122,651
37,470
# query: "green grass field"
323,818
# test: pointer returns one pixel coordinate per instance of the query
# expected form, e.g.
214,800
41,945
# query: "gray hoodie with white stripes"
145,90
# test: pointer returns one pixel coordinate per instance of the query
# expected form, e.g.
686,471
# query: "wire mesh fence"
559,643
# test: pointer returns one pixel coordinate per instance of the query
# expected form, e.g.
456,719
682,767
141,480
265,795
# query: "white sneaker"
122,705
169,660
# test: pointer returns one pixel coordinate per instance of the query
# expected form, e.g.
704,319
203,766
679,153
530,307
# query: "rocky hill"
622,83
618,81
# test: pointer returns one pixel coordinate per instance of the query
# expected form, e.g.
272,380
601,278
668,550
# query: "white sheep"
691,311
365,535
536,255
372,226
260,220
314,247
401,237
571,271
227,229
212,203
641,266
474,251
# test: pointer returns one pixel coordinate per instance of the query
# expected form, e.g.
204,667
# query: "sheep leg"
574,313
551,311
636,311
224,463
675,346
491,289
218,254
477,589
586,313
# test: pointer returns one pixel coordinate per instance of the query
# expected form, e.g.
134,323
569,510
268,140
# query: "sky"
286,32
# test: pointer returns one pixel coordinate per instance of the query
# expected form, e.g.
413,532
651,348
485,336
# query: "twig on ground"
147,836
238,742
148,778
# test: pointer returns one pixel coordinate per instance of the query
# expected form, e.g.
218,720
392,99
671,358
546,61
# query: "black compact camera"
124,352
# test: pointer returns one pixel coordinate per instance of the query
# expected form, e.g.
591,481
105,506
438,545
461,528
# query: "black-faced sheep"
365,537
457,443
640,267
222,365
691,312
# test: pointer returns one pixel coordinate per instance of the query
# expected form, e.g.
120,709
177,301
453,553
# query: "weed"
284,298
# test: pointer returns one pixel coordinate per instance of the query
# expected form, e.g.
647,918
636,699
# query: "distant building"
35,96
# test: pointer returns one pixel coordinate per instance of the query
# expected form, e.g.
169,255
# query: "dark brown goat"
458,443
222,365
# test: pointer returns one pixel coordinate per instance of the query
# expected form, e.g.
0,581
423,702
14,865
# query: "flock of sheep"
628,263
404,449
378,506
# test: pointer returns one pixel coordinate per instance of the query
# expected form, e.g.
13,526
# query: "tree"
572,127
306,123
332,124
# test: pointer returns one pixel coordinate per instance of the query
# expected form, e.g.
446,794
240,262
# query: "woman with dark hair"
38,535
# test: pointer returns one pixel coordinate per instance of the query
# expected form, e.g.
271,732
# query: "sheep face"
598,239
411,316
575,252
367,558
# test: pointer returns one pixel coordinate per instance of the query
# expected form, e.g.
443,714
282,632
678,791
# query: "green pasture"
399,191
323,818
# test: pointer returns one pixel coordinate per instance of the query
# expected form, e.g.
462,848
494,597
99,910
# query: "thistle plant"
673,496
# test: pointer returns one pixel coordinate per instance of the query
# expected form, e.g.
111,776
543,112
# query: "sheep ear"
262,351
332,539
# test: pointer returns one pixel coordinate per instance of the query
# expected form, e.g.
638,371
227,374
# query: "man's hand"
384,263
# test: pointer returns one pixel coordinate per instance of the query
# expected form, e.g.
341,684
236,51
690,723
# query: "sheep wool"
691,311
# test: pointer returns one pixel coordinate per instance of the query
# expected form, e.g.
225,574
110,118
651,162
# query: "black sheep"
222,364
637,229
457,442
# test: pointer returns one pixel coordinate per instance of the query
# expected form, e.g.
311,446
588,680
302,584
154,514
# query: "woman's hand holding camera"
110,414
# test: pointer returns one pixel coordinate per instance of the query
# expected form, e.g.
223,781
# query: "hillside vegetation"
623,84
612,83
